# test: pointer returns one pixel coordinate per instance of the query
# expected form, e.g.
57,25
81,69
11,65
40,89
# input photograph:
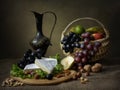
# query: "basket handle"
89,18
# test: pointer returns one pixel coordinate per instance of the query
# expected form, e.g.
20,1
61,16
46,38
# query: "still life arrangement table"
84,42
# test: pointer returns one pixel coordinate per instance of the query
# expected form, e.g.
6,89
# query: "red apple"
97,36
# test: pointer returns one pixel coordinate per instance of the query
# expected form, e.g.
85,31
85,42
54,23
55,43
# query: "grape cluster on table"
86,48
29,57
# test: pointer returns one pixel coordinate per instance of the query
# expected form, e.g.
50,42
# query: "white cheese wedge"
46,64
31,66
67,62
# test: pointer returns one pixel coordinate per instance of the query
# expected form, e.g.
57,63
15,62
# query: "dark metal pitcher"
40,41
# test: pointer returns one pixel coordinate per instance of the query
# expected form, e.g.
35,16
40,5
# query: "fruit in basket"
80,45
85,54
97,44
95,29
77,59
86,41
97,36
67,62
89,46
70,41
78,29
86,35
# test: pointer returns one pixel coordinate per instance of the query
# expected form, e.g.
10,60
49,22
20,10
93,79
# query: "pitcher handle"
53,24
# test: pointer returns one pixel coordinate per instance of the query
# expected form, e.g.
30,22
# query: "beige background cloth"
18,25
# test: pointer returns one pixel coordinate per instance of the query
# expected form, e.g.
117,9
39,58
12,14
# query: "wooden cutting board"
45,81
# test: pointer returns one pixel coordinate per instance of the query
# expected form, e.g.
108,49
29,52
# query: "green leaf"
57,56
58,69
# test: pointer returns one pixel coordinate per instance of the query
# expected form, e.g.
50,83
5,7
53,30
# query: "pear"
78,29
95,29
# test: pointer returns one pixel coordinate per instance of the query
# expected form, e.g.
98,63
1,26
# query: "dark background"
18,27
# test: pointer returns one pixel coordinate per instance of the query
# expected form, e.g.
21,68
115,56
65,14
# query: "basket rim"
87,18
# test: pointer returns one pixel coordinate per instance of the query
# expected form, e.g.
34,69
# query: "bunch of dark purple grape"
87,49
29,57
70,41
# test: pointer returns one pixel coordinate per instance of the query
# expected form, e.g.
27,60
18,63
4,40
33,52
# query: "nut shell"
98,65
87,68
96,68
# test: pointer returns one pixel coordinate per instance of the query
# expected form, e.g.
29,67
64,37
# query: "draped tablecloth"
108,79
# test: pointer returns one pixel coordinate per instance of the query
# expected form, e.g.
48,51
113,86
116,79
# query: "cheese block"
31,66
46,64
67,62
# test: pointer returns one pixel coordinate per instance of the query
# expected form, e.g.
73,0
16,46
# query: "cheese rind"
31,66
46,64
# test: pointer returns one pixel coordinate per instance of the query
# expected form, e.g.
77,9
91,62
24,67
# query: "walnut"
97,67
87,68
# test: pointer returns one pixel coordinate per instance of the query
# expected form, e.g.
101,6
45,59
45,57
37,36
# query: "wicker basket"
88,22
